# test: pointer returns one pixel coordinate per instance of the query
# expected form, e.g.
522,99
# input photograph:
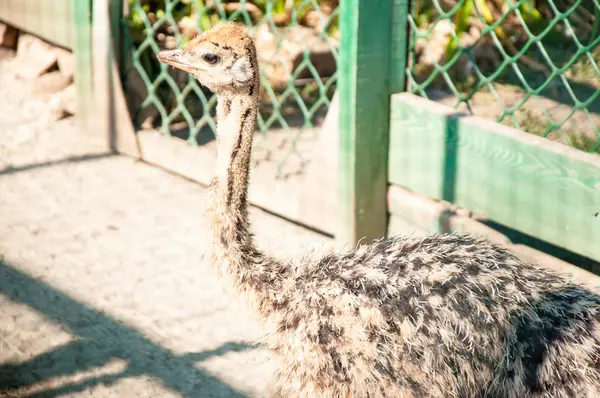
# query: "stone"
68,99
50,83
54,111
9,36
66,62
6,53
280,60
34,57
432,50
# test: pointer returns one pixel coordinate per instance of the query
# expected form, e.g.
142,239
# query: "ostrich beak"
176,58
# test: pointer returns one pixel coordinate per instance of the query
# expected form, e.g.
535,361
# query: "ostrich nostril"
167,55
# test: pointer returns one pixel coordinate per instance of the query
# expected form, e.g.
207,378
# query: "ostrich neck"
233,250
236,121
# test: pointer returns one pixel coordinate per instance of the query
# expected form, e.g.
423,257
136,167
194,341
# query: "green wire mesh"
296,91
528,64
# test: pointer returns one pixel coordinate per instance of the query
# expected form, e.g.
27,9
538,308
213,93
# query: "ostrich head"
222,59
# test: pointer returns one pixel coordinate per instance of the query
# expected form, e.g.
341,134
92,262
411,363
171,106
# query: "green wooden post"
112,121
116,14
82,48
399,51
372,65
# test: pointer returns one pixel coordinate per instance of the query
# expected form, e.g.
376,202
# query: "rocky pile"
49,70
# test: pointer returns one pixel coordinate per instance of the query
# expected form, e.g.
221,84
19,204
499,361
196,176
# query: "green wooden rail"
528,183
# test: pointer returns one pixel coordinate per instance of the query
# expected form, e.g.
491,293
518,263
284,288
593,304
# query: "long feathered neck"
236,121
239,261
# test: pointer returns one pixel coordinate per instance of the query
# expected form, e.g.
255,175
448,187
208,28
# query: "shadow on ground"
100,339
71,159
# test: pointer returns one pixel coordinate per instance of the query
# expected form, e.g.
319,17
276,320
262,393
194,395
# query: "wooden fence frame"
409,146
528,183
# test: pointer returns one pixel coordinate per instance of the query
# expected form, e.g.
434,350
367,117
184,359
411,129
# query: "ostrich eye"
210,58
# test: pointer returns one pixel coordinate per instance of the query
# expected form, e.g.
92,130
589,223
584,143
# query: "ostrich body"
441,316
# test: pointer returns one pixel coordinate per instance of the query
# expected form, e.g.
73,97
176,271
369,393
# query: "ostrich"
446,315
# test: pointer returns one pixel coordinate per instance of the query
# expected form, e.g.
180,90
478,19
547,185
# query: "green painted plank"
367,53
116,15
82,32
538,187
49,19
399,49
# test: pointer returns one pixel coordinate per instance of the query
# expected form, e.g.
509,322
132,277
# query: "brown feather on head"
219,58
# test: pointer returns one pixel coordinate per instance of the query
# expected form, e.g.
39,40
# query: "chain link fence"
531,64
297,43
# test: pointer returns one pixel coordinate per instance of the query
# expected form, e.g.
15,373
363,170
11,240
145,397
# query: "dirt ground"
105,289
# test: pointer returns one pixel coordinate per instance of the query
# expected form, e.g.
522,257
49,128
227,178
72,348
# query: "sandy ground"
105,286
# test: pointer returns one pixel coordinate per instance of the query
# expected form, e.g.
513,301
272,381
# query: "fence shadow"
518,237
449,165
100,339
52,163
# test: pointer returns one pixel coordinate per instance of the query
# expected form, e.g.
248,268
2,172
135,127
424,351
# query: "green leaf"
461,23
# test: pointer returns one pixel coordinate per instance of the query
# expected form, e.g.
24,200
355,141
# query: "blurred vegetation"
535,14
189,14
513,22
